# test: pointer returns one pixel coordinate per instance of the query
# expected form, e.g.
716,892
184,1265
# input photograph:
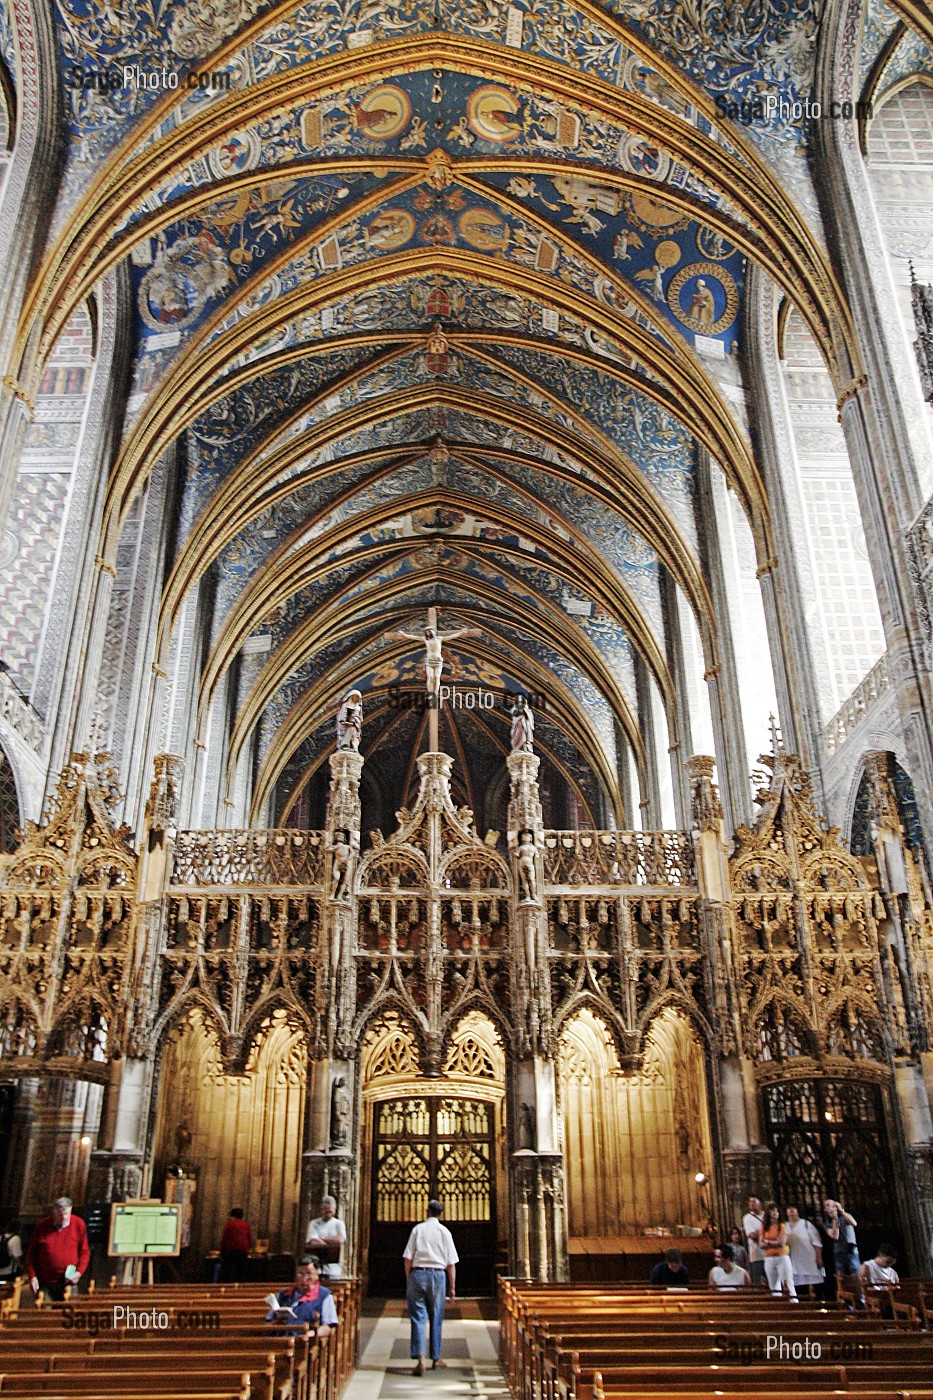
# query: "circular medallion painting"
653,215
390,229
667,253
268,291
383,113
492,111
169,297
484,229
240,151
712,244
703,297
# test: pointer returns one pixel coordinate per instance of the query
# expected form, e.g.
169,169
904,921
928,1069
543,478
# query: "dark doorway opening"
828,1138
426,1148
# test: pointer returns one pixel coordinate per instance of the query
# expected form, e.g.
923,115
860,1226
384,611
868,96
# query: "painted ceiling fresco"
441,305
890,52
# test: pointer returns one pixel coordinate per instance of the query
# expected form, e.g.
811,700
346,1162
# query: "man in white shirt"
431,1270
879,1274
326,1237
751,1225
11,1252
725,1272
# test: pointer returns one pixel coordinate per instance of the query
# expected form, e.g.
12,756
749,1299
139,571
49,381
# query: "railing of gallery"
627,858
289,856
856,707
286,856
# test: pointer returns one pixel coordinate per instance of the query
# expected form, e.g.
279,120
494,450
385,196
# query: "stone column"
69,660
329,1163
881,407
85,702
117,1165
907,977
537,1165
722,679
64,1112
743,1158
682,741
28,199
651,802
16,411
788,582
331,1159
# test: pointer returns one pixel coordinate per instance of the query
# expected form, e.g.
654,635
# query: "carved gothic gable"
433,927
67,896
812,967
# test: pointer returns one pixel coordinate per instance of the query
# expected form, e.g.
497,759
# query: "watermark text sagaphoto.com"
774,107
119,1318
752,1351
131,75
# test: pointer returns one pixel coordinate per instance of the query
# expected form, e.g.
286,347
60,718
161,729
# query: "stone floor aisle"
471,1342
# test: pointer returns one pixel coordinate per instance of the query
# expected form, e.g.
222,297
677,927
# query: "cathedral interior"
585,347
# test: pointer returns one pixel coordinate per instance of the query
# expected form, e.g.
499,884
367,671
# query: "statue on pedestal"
527,867
339,1113
350,722
342,853
523,726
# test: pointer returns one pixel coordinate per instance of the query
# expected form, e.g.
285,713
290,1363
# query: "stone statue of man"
527,869
350,722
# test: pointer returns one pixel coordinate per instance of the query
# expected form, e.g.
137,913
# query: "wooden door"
426,1148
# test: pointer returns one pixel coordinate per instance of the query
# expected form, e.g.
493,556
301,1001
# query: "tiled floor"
471,1340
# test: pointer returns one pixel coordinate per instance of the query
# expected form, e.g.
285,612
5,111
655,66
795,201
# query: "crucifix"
432,641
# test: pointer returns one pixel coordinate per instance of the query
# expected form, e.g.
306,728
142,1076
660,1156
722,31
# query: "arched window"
9,807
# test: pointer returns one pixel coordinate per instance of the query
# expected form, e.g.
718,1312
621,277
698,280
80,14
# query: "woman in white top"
806,1250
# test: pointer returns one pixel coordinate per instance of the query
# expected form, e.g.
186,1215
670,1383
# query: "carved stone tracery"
792,962
68,912
813,979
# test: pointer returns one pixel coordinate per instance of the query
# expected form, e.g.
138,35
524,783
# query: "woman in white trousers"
773,1241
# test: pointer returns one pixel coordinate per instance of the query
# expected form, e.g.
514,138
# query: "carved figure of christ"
432,641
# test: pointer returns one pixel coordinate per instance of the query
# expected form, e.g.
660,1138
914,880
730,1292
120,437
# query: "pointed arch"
633,1142
239,1134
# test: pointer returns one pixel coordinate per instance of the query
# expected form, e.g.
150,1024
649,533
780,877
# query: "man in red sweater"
235,1245
58,1252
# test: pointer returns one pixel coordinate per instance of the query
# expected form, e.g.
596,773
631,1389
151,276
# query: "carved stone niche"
746,1172
705,807
114,1176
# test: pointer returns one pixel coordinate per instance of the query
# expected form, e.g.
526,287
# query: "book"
272,1303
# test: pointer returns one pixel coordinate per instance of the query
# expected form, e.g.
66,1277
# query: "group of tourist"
782,1251
785,1253
788,1253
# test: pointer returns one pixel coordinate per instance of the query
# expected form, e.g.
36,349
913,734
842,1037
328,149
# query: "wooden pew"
241,1355
10,1295
559,1342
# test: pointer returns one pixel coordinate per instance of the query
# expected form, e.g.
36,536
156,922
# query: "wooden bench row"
561,1342
242,1358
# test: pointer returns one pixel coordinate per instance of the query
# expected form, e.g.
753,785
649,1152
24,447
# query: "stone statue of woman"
523,726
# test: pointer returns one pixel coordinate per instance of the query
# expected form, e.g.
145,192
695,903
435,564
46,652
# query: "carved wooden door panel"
424,1148
829,1138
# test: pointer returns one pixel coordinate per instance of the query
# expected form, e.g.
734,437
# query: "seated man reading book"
307,1301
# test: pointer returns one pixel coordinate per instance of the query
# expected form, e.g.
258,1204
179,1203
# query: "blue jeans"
427,1294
